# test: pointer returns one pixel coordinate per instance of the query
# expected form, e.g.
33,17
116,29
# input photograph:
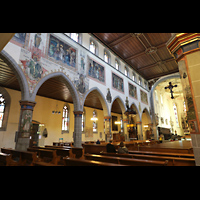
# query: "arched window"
116,64
140,81
65,119
133,76
106,56
2,109
126,71
95,121
83,120
93,47
75,36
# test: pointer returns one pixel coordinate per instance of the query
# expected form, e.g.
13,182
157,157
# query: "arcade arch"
146,124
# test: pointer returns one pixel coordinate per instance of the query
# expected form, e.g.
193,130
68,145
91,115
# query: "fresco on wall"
117,82
32,61
144,98
81,81
96,70
19,38
132,90
62,52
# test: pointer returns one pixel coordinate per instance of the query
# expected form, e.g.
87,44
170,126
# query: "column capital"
107,118
78,113
139,122
183,43
27,105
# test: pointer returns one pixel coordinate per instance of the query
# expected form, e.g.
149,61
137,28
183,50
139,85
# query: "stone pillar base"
22,144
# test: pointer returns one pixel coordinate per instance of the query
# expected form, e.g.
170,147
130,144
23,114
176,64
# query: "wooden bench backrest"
172,161
81,162
126,161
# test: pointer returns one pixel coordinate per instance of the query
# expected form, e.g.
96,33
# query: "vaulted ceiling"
146,53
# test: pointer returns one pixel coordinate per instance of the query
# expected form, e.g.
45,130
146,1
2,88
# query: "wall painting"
144,98
96,71
132,90
117,82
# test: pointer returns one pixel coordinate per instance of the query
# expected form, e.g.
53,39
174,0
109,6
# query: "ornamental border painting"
62,52
132,91
144,98
96,71
117,82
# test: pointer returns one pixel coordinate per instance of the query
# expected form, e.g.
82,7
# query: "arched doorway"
146,125
95,109
134,131
118,123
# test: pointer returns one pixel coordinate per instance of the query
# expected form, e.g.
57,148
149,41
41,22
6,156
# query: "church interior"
99,99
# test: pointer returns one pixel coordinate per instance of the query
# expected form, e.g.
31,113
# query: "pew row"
81,162
6,160
20,158
181,155
125,161
172,161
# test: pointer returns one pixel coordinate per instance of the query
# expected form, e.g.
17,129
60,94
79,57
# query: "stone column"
23,138
139,130
78,129
126,133
107,128
185,47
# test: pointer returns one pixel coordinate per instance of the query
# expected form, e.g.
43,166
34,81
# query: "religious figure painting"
144,98
117,82
132,91
31,60
19,38
96,71
61,52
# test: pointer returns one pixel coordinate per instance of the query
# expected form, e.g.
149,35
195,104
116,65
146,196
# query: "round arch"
19,74
146,120
148,114
120,102
68,83
101,98
177,75
138,117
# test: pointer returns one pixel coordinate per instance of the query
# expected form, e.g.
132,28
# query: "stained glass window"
105,56
83,120
65,119
116,64
95,121
2,109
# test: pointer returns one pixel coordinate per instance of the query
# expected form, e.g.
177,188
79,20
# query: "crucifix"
170,86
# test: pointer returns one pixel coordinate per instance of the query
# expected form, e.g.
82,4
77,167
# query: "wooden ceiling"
146,53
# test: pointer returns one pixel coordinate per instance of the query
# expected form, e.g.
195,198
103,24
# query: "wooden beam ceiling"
146,53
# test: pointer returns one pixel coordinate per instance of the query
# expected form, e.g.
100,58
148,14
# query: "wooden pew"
172,161
21,158
125,161
182,155
6,159
48,156
44,164
81,162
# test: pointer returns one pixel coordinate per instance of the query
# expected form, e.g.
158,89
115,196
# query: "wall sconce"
117,122
94,119
56,110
